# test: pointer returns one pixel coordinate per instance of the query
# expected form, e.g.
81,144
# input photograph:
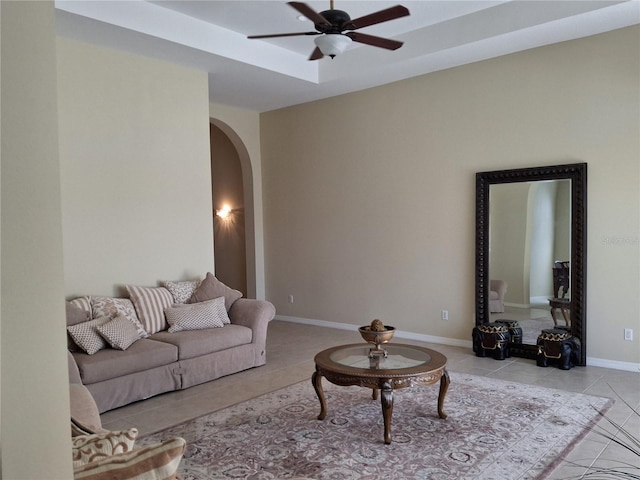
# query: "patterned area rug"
495,430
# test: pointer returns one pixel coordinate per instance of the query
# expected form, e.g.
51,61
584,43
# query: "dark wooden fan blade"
316,54
310,13
374,41
377,17
273,35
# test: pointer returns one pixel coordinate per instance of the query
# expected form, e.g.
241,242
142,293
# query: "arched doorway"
232,186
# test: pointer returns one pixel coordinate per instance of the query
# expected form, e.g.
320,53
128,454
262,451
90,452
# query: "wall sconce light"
224,212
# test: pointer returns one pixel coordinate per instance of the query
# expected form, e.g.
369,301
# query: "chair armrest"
84,411
498,286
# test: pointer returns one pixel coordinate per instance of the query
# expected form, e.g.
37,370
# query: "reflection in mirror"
530,231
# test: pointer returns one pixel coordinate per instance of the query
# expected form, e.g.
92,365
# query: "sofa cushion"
211,288
120,333
182,291
108,363
197,316
158,461
86,336
194,343
97,446
112,307
150,304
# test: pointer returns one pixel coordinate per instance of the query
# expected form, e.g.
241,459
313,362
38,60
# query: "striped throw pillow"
84,303
150,304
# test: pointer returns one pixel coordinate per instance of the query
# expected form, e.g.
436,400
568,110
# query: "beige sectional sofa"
177,340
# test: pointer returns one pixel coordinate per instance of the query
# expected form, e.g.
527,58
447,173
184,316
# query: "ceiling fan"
331,25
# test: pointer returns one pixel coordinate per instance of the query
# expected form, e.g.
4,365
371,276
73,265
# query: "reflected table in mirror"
402,366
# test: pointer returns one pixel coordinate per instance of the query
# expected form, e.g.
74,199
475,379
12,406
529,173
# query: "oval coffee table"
402,366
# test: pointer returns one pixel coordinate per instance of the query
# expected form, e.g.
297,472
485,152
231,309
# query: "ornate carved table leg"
316,380
387,410
444,386
374,395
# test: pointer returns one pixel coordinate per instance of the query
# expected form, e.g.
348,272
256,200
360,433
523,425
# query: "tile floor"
290,351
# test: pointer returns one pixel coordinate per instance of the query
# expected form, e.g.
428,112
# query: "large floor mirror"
530,239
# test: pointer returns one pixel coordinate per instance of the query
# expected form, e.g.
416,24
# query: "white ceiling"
264,75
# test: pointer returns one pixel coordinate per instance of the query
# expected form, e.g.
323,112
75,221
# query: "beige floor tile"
290,351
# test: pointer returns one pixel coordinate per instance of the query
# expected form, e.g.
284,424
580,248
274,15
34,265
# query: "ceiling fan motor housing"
338,19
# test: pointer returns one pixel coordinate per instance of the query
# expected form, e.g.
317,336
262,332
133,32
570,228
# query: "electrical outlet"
290,298
444,314
628,334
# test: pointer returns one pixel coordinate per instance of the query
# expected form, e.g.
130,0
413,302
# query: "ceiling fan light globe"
332,44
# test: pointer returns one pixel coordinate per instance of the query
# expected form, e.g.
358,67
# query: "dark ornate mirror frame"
577,173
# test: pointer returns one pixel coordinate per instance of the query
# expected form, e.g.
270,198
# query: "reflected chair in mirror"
497,291
560,291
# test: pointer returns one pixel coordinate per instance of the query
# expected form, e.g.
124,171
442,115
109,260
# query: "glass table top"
398,357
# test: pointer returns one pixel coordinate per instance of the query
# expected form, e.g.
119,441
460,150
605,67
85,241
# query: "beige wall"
135,168
369,197
35,395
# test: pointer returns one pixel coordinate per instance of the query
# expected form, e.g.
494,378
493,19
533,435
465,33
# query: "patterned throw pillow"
120,333
150,304
158,461
97,446
182,291
211,288
197,316
113,307
86,335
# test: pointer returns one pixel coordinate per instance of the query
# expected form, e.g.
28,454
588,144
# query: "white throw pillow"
197,316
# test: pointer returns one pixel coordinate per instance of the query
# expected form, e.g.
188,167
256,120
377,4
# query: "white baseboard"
539,300
455,342
543,304
614,364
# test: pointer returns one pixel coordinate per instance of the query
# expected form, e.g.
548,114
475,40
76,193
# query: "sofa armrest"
74,372
254,314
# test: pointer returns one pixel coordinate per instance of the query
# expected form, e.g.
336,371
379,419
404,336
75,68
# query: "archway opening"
232,192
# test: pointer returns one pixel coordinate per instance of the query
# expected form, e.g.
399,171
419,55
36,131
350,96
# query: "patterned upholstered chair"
100,454
497,291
